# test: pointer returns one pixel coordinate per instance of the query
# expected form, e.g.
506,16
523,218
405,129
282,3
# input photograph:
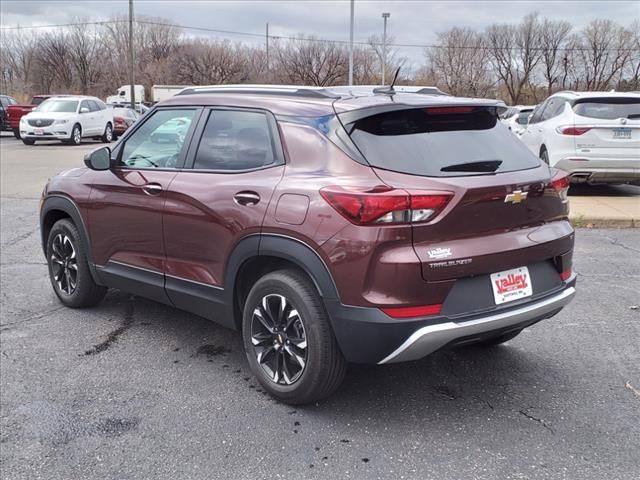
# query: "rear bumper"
366,335
601,170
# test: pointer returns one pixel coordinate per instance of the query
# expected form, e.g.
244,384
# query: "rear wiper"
482,167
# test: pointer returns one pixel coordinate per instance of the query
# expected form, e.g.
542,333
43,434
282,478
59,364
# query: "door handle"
246,198
152,189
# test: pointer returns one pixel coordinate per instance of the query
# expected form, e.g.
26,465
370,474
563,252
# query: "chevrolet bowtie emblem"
516,197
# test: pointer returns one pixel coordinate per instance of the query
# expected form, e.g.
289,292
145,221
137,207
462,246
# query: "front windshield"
52,105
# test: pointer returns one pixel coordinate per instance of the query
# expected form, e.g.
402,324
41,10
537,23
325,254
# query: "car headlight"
61,122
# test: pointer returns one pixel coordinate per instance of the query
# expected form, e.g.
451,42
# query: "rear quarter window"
608,108
440,142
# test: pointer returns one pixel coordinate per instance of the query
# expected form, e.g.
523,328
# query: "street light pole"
385,16
131,78
351,46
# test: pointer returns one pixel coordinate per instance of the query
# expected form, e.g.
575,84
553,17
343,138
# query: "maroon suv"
327,227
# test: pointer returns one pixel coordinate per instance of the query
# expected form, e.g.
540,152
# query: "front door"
125,213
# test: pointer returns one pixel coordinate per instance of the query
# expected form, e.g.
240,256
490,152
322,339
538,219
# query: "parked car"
516,118
15,112
5,102
123,118
328,229
595,136
69,119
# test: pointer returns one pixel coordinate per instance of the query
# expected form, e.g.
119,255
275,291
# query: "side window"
235,140
4,101
552,104
100,105
93,106
538,112
84,104
159,141
558,108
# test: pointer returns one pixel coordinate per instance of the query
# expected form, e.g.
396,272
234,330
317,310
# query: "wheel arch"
57,207
257,255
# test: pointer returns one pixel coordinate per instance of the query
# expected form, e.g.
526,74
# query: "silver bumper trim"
429,339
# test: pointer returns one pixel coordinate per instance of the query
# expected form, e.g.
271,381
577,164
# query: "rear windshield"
440,142
608,108
68,106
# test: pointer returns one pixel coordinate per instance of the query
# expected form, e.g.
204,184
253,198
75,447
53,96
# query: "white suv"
68,118
516,118
595,136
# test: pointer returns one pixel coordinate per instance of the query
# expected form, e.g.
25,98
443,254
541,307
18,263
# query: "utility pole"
351,46
268,66
385,16
131,78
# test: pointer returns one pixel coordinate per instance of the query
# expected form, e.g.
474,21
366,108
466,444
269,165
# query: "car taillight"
574,131
384,205
564,276
561,183
119,121
409,312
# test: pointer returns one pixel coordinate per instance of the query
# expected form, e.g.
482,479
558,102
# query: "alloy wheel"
77,136
64,264
279,339
109,133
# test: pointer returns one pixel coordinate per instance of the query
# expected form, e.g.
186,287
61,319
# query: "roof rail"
369,89
284,90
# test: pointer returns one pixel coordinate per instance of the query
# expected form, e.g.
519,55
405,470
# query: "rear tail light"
384,205
573,131
119,121
560,183
565,275
409,312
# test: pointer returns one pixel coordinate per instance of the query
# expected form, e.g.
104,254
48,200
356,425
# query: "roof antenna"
388,90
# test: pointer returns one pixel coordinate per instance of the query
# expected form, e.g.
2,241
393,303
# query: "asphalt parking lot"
136,390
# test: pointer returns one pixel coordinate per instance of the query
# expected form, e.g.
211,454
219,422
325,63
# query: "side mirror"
84,110
99,159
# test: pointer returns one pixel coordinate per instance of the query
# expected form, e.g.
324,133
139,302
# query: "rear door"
503,209
609,127
234,165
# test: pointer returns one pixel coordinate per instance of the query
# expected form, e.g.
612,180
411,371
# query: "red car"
123,118
327,227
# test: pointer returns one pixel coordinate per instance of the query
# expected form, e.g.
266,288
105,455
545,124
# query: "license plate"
511,285
38,131
622,133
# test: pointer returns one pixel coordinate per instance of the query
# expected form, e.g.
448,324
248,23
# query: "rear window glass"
608,108
439,142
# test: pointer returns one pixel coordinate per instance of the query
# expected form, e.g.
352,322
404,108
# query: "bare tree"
553,36
19,57
85,55
603,48
459,62
634,57
306,60
393,59
210,62
514,53
54,62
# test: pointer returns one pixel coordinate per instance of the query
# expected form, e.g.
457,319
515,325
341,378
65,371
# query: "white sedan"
69,119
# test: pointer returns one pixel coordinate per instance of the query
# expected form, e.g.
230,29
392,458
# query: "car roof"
576,95
310,101
73,97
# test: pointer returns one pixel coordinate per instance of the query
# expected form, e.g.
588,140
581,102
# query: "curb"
582,221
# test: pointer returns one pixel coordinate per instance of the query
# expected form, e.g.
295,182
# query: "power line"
303,39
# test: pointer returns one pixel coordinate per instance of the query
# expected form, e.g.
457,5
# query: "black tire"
107,136
499,339
85,292
544,155
16,133
324,366
76,135
27,141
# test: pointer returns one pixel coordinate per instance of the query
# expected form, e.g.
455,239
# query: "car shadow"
449,383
